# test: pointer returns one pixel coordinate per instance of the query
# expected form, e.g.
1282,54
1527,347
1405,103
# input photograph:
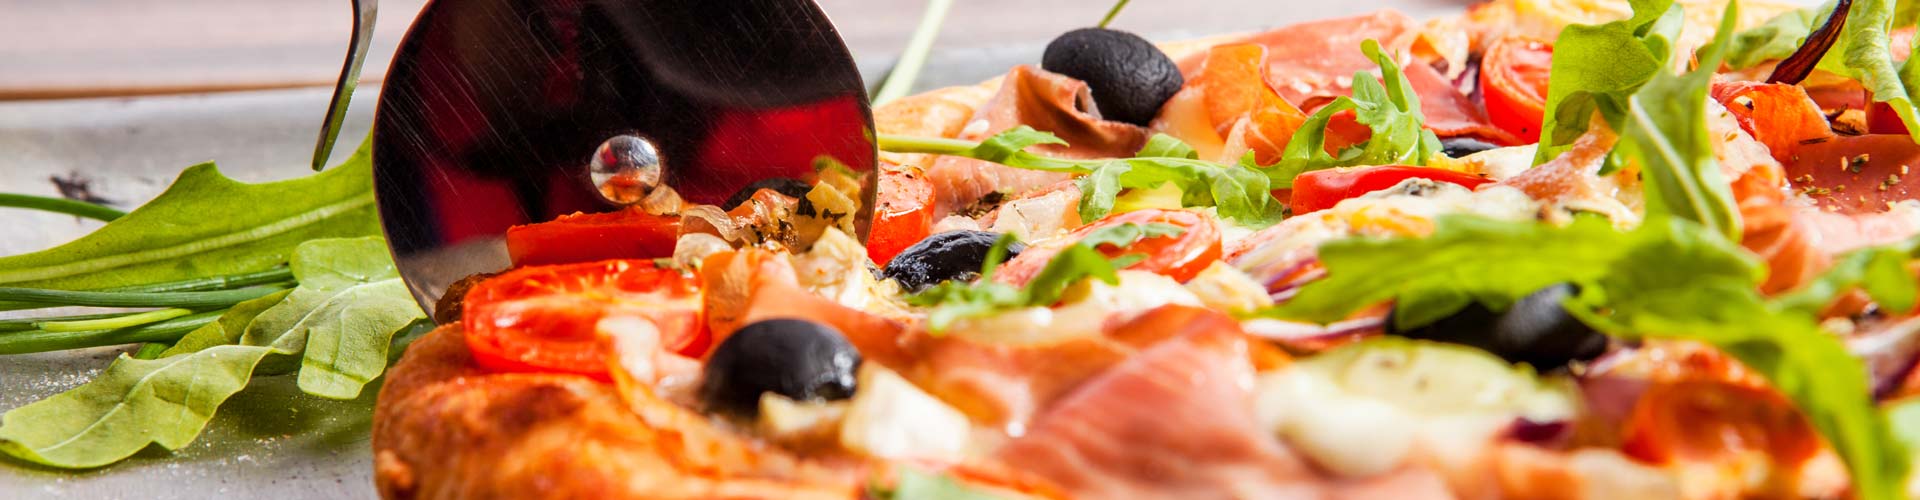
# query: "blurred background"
79,48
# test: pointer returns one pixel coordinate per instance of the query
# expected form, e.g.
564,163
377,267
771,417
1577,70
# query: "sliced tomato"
1180,257
544,318
1322,189
1705,420
1779,115
585,237
1513,81
902,213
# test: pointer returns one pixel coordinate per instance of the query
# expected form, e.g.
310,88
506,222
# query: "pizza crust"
445,429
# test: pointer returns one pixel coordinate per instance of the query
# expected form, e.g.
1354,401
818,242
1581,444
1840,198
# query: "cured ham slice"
1045,101
1176,421
1309,64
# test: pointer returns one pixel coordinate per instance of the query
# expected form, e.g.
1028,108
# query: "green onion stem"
907,69
8,325
276,276
197,300
1115,11
60,205
113,323
31,341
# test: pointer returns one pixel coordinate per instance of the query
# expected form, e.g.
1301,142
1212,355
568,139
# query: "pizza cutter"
504,112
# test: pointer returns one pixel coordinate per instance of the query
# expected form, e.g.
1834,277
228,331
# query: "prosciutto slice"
1176,421
1311,63
1045,101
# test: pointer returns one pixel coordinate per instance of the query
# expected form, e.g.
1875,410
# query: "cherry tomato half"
1322,189
902,213
584,237
1180,257
544,318
1707,420
1513,81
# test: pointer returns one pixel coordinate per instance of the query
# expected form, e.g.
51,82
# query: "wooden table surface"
86,48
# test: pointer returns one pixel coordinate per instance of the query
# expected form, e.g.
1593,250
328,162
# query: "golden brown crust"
444,429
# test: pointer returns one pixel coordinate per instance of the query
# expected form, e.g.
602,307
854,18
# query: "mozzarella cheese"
890,418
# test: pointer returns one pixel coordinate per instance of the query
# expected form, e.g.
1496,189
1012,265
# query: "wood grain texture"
81,48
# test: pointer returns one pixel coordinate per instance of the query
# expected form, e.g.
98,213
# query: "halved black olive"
1129,77
1536,330
799,359
944,256
1458,147
785,185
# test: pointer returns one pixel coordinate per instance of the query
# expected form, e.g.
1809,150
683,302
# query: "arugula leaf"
1881,271
1241,191
346,309
954,300
1777,38
1669,278
206,224
1664,131
1864,49
1493,261
166,401
349,303
1391,110
1596,68
348,336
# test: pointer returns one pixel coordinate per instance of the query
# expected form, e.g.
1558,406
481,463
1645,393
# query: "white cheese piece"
785,420
1224,287
837,268
890,418
1039,217
1361,410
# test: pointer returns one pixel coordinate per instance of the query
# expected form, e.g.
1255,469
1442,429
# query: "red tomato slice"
902,213
1513,81
585,237
1705,420
1779,115
543,318
1180,257
1322,189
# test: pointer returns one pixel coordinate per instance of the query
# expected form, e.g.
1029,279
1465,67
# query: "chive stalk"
32,341
112,323
9,325
197,300
150,350
279,276
1115,11
60,205
899,81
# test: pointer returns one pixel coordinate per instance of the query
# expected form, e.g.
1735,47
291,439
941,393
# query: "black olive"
1129,77
952,255
1535,331
799,359
1460,147
784,185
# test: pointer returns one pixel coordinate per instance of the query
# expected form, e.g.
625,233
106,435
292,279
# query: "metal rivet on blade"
625,168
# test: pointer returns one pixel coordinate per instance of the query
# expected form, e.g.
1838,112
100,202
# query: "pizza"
1576,249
